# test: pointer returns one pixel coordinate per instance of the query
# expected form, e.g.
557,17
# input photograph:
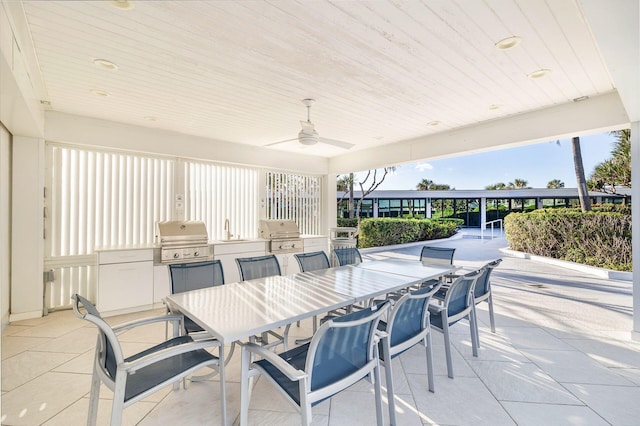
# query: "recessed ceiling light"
103,63
539,73
150,118
508,43
581,98
101,93
433,123
495,106
122,4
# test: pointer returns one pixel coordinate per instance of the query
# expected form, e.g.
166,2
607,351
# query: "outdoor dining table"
409,268
237,311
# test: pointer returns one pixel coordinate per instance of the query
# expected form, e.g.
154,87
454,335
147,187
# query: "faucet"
227,227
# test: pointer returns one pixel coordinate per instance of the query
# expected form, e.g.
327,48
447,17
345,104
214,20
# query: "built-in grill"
283,236
182,242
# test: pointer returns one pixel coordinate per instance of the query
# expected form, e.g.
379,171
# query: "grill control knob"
176,255
196,254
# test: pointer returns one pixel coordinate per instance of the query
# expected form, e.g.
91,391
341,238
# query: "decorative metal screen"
295,197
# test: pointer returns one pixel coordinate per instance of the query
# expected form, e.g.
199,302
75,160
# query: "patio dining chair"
312,261
347,256
458,304
195,276
438,256
407,325
137,376
482,292
311,373
260,267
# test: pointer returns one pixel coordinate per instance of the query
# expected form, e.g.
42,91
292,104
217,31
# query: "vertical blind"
217,192
104,199
295,197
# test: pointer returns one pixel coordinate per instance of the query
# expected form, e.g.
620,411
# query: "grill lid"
278,229
180,232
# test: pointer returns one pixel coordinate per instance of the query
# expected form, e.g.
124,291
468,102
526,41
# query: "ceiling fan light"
307,139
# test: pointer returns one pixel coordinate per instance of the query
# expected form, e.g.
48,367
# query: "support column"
330,219
483,213
635,219
27,250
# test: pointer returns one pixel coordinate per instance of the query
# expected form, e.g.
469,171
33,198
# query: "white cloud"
424,166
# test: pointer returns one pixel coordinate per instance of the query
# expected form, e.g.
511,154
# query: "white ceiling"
380,71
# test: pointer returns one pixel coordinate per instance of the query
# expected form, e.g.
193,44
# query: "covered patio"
561,355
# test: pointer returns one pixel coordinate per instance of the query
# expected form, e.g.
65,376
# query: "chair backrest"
194,276
109,353
483,284
347,256
437,255
343,346
312,261
459,299
408,321
258,267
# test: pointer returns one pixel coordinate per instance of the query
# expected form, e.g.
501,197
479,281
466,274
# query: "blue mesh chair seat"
347,256
320,369
194,276
407,325
258,267
138,376
457,305
438,256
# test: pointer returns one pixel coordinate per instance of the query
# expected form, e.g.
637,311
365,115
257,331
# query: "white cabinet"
125,280
288,263
318,243
228,252
161,283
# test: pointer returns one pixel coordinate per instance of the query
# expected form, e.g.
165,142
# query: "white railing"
482,229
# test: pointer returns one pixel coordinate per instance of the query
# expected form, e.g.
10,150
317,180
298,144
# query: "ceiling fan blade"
339,144
279,142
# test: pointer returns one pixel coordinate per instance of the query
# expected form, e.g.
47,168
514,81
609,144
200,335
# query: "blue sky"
537,164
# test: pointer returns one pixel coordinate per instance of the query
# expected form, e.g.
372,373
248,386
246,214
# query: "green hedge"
599,238
378,232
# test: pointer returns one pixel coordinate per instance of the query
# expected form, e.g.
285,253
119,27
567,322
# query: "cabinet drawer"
125,285
315,244
122,256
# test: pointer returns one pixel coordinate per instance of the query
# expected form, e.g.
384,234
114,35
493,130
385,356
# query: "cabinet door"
288,263
125,285
161,283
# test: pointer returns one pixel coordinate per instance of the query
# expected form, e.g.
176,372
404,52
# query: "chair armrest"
275,360
145,321
133,366
436,308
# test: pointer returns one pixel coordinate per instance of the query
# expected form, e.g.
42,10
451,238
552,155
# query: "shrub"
380,232
597,238
347,223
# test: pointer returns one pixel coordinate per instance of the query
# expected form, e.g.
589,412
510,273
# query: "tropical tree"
583,192
518,184
499,185
615,171
429,185
372,180
555,183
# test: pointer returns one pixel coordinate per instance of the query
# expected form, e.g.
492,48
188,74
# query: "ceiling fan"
309,136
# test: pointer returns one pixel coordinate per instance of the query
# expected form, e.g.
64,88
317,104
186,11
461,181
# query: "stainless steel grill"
283,236
182,242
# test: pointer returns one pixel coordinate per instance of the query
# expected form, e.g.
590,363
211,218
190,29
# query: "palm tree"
615,171
583,192
429,185
499,185
555,183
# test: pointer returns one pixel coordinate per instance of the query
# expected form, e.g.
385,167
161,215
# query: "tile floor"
562,355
